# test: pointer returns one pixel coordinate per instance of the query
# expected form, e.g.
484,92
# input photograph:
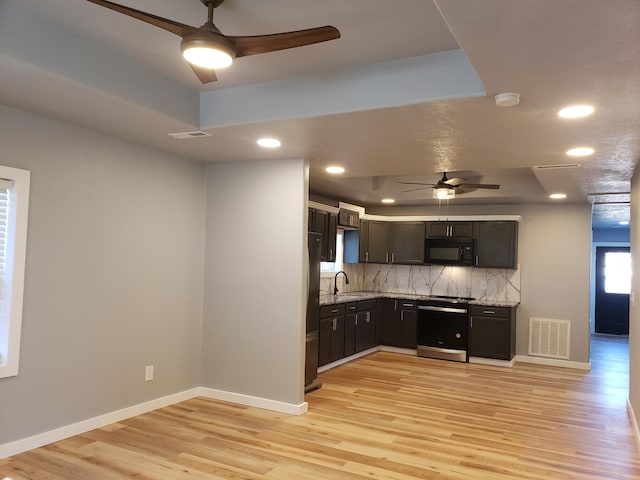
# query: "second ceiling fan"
207,48
448,187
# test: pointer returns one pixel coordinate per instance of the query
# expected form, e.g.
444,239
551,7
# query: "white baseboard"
492,362
348,359
634,424
45,438
258,402
83,426
553,362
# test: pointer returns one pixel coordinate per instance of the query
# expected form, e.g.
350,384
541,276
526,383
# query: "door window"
617,272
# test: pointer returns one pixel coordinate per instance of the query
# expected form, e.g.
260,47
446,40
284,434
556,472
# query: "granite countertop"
348,297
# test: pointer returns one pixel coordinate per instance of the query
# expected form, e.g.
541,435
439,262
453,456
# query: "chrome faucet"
335,281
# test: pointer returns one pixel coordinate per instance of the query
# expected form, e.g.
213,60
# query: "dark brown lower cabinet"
360,328
398,321
492,332
331,338
350,329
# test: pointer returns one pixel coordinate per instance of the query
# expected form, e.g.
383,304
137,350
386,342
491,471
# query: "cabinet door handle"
401,315
367,317
393,257
335,311
386,257
335,324
488,312
471,321
366,256
330,253
477,260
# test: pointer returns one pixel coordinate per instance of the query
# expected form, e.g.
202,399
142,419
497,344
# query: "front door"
613,285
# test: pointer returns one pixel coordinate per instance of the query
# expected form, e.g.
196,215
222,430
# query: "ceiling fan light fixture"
207,52
444,193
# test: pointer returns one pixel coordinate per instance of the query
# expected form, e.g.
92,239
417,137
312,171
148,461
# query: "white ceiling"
404,94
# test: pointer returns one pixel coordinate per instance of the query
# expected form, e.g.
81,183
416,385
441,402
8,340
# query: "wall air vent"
557,166
183,135
549,338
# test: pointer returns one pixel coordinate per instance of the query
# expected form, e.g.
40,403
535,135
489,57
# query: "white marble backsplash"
490,284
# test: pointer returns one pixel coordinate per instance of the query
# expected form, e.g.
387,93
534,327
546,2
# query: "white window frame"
11,315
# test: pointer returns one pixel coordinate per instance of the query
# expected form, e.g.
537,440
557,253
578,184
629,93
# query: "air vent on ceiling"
557,166
183,135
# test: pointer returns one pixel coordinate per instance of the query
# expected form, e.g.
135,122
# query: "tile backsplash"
480,283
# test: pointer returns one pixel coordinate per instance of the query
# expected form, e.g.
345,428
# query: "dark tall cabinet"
313,313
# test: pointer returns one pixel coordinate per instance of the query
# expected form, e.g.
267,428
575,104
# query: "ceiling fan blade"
418,183
176,28
205,75
479,185
253,45
454,182
413,189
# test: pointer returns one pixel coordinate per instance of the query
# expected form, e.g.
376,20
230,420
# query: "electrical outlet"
148,373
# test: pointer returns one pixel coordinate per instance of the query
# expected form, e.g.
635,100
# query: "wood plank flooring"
385,416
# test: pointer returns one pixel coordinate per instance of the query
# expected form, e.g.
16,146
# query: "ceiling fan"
207,48
447,188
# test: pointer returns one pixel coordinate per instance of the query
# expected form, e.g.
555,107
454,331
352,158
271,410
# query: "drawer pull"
489,312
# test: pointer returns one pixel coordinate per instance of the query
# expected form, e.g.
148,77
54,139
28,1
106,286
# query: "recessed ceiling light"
558,196
334,169
580,151
269,142
576,111
623,222
388,200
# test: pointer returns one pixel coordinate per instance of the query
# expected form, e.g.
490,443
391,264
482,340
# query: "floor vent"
549,338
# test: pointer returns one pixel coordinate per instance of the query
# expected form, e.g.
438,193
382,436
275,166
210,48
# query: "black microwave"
449,251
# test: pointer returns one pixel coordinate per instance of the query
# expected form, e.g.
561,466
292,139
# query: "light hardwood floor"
385,416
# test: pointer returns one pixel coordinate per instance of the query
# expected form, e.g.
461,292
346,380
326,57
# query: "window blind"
4,216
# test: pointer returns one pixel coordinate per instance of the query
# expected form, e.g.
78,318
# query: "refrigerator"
313,314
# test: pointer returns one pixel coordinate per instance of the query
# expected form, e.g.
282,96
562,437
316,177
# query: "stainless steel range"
443,328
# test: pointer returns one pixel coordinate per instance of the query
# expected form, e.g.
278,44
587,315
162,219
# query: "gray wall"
554,251
255,279
113,277
634,313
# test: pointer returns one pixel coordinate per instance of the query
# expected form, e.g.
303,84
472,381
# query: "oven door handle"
442,309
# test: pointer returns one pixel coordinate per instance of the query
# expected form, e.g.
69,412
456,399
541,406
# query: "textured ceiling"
405,94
